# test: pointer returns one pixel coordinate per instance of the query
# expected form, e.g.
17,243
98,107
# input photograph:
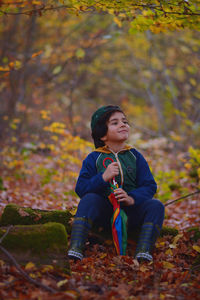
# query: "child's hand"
111,171
122,196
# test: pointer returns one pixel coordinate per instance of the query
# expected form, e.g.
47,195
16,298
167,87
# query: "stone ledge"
41,244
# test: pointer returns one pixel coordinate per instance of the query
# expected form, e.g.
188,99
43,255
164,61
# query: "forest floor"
102,274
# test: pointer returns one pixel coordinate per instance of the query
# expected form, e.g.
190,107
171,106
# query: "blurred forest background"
62,67
58,66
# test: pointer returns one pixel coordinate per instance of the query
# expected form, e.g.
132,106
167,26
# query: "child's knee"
156,207
159,205
87,202
90,199
90,206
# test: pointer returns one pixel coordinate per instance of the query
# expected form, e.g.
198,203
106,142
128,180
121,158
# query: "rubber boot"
80,229
147,238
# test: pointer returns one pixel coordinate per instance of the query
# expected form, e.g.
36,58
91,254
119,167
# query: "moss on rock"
38,238
42,243
168,231
34,236
14,214
196,233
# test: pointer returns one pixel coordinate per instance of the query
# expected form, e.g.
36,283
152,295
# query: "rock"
40,244
14,214
40,236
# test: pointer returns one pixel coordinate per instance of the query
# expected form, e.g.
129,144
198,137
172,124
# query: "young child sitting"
110,131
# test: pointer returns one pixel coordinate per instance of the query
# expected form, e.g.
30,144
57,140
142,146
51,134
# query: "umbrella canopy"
119,218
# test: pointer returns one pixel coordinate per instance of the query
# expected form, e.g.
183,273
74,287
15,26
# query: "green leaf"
80,53
2,188
57,70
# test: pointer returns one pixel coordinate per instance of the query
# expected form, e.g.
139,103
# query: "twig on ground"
5,234
188,195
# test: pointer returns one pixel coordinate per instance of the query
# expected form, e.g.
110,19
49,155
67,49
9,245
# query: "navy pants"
99,210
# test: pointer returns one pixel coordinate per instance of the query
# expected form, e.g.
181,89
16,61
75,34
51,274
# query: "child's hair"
99,130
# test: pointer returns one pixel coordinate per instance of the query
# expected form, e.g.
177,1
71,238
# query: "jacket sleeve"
146,185
89,181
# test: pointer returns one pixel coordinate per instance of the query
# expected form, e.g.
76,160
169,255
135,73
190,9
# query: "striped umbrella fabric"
118,220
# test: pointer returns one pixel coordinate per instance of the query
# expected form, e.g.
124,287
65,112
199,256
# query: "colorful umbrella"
119,218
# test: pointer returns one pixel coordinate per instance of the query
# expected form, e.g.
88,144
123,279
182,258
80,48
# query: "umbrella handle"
113,182
107,158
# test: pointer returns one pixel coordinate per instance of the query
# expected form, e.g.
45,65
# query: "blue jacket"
140,185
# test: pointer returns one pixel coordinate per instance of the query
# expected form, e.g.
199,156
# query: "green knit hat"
98,114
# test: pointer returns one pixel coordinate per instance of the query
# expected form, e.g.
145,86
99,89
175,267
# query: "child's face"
118,129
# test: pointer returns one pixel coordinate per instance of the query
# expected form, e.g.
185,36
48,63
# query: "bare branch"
155,8
186,196
5,234
38,10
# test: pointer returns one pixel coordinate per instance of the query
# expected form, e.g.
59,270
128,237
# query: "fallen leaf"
168,265
160,244
23,213
169,252
4,69
103,255
136,263
172,246
185,284
29,266
37,53
197,248
32,275
62,282
143,268
72,294
2,263
47,268
112,265
37,217
177,237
